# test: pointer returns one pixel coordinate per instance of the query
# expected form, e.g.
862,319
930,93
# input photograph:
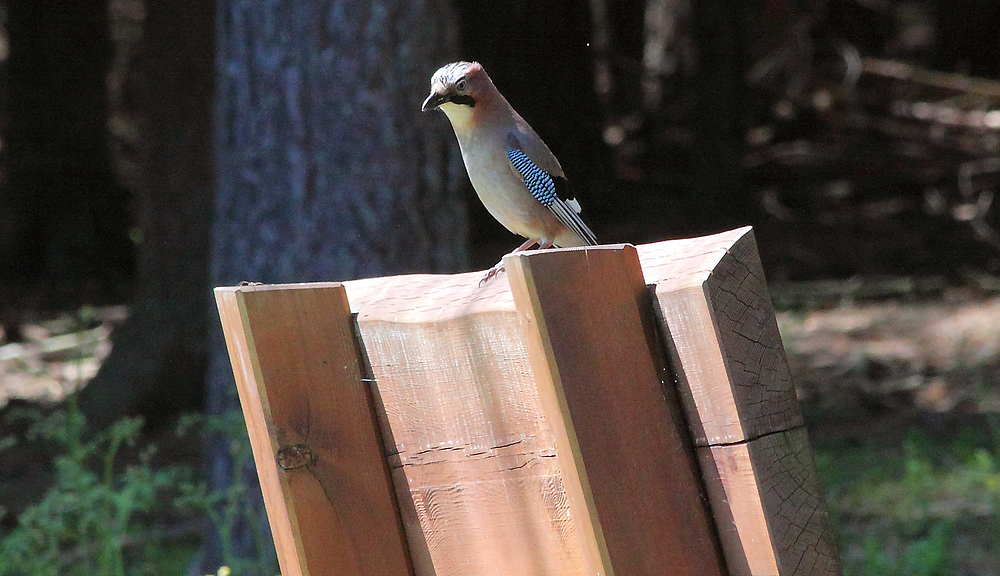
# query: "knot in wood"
295,456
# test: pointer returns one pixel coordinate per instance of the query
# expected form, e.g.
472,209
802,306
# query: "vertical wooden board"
473,457
779,520
590,329
330,501
722,336
695,350
739,513
723,342
253,399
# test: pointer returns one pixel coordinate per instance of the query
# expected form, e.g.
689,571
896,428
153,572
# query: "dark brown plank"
591,336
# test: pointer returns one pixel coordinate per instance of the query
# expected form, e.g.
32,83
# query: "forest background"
152,149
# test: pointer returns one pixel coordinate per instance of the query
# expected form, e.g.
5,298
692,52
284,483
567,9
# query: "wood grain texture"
528,430
733,378
777,520
296,362
473,458
723,337
622,447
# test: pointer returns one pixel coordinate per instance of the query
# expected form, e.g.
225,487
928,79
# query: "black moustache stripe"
464,100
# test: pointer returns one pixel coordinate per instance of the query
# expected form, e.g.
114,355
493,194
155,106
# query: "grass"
926,505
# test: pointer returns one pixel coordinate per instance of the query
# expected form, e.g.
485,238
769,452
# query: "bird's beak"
433,101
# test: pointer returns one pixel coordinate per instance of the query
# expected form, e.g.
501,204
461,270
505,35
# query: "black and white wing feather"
546,189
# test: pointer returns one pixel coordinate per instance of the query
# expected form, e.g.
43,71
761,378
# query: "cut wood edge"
685,262
732,374
723,340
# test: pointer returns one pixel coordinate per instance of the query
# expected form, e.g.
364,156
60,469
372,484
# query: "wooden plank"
623,449
777,520
322,470
473,458
733,378
723,336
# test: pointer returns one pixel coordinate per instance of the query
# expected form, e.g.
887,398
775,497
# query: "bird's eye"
461,85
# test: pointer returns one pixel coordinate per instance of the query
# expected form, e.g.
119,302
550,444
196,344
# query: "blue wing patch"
538,181
543,187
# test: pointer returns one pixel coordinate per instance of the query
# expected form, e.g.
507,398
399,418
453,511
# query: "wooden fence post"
313,431
738,394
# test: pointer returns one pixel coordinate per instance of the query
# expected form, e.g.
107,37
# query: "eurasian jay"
515,175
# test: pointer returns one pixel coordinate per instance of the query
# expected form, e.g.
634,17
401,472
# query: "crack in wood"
755,437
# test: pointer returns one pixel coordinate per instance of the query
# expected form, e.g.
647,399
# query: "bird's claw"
491,273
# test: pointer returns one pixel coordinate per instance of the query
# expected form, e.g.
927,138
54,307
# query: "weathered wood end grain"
623,447
714,303
312,427
473,458
733,377
776,511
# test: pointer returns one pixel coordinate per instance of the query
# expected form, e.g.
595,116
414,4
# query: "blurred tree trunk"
720,115
8,212
162,120
63,218
327,169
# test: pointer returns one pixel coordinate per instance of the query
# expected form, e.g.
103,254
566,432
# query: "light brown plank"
733,377
623,450
473,457
296,362
723,337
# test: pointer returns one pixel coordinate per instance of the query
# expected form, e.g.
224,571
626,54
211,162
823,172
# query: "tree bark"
326,168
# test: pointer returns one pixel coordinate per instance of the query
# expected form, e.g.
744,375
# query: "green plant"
237,504
87,518
926,554
926,503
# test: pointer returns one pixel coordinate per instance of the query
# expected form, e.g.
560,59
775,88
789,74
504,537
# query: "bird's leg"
498,268
527,244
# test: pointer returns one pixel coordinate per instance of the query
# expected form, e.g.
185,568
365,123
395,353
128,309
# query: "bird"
514,173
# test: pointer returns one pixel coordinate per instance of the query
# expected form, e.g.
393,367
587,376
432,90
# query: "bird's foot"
498,268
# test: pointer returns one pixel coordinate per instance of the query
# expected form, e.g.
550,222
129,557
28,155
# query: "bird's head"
457,84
